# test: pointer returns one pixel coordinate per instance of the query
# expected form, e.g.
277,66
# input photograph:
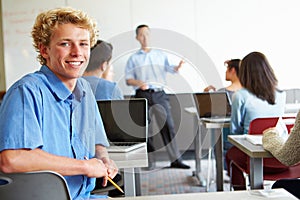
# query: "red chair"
273,169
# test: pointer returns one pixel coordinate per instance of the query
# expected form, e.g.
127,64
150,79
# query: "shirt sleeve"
168,67
287,152
21,129
101,137
129,69
117,93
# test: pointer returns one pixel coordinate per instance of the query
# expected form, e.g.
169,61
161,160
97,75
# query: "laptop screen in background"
125,120
213,104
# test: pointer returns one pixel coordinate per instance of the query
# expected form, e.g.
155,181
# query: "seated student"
99,74
259,97
232,76
287,152
49,119
98,66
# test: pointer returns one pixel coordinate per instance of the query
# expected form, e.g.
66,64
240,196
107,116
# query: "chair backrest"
258,125
46,185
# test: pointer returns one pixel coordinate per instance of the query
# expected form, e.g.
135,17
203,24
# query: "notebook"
125,122
213,106
254,139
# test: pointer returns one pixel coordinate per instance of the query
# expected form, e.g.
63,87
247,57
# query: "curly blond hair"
47,21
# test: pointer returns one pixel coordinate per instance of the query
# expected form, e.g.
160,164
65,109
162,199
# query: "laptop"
125,122
213,106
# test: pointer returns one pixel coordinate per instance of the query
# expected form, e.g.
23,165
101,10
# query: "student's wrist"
85,167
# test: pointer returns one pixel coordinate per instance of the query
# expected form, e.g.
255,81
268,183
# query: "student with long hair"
259,97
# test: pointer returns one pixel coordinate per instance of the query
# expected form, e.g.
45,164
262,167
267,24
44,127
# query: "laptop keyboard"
124,143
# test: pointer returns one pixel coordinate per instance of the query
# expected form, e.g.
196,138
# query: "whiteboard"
18,18
223,29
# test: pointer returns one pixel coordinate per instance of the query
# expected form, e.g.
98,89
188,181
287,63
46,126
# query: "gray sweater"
287,152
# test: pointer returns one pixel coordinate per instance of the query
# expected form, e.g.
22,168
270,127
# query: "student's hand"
209,88
271,130
96,168
112,169
269,135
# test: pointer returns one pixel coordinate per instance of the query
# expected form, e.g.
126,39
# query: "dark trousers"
159,106
291,185
270,166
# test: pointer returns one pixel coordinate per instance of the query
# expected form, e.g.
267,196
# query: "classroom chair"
46,185
275,169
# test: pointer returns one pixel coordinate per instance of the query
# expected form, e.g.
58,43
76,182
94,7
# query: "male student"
49,119
103,89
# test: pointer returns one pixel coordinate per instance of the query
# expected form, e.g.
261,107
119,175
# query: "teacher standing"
146,71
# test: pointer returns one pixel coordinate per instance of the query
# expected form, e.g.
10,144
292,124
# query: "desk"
216,132
131,162
276,194
256,154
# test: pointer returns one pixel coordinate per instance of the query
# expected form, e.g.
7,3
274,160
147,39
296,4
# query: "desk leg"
138,181
256,173
197,148
219,158
198,152
129,182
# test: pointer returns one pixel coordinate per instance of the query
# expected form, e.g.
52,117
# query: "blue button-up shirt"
104,89
150,67
39,111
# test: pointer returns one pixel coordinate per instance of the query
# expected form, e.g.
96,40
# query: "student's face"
230,72
108,74
68,52
143,36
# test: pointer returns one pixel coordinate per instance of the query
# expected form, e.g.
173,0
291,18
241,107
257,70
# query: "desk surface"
254,151
275,194
132,159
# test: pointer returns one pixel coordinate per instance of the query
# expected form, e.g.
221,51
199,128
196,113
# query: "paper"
273,193
282,130
254,139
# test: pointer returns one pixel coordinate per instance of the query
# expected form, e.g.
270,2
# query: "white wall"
204,33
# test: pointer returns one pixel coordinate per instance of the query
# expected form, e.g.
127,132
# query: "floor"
165,180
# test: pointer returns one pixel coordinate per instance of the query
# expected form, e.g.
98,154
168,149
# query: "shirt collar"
59,89
141,51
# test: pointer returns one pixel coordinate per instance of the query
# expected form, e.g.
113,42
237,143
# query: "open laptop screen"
125,120
213,104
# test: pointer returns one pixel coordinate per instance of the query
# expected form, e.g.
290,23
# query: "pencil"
114,184
110,180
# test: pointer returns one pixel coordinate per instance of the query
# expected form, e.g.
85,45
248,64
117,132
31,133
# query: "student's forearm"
12,161
101,152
